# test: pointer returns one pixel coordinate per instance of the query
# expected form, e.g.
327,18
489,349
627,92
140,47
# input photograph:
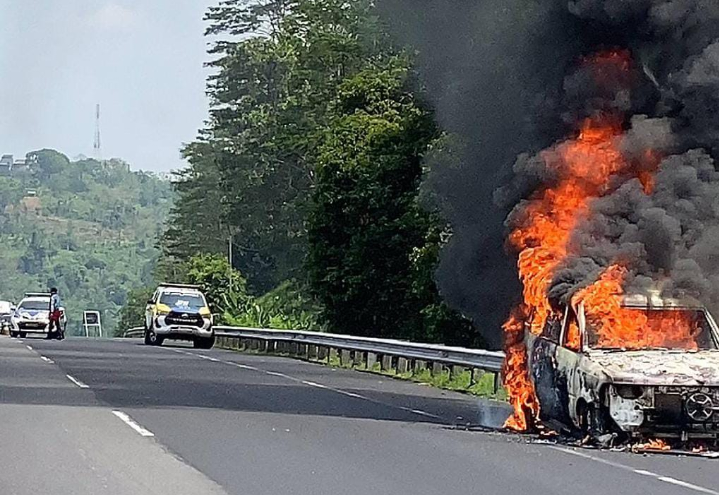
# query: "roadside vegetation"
87,227
310,169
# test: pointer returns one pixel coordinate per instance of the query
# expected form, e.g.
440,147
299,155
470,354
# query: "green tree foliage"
372,247
132,314
311,163
223,286
89,228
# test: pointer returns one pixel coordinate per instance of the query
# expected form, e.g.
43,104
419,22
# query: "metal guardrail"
134,333
388,354
431,353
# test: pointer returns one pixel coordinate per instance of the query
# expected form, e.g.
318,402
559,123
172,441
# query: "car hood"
660,367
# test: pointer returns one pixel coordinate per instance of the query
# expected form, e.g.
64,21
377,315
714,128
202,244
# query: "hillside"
86,227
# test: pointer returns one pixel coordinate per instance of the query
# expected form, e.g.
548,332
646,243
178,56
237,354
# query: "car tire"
151,338
14,335
592,421
23,335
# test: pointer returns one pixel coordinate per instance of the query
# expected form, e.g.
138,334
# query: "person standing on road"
56,314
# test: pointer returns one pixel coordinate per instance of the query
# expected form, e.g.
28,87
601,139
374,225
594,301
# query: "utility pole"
98,143
230,260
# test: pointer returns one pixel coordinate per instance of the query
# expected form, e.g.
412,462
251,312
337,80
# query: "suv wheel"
151,338
23,335
14,335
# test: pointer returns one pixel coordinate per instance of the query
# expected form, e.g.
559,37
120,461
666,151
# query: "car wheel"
23,335
592,421
14,335
151,338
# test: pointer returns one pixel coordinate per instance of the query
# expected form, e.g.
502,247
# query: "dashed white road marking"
133,424
642,472
28,348
77,382
311,384
47,360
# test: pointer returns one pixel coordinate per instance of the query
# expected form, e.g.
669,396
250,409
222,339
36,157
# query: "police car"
179,312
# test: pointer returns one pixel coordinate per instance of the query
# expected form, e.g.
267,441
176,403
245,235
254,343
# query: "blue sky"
142,60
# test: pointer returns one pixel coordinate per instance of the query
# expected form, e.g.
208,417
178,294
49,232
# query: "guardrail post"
402,365
359,359
345,358
456,370
312,352
332,355
371,360
419,365
294,349
497,382
437,368
322,353
386,363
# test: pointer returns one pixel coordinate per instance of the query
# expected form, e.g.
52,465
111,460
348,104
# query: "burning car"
647,366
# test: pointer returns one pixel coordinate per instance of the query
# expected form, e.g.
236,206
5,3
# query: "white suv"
179,312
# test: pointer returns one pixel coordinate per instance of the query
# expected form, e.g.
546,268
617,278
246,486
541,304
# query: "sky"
141,60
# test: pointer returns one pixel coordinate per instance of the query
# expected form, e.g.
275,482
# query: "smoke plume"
507,78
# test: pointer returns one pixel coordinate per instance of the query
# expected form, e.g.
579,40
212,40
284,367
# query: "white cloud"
114,17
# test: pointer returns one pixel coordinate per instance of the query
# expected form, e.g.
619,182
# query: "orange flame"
656,444
622,327
582,170
584,166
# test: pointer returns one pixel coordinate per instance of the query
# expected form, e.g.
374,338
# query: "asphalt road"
88,417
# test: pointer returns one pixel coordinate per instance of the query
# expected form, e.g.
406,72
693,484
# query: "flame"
583,166
515,372
622,327
655,444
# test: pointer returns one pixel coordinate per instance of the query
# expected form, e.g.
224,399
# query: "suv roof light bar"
37,294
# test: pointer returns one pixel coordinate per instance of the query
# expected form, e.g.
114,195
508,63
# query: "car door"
569,356
543,367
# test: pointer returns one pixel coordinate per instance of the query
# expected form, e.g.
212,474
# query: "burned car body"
664,386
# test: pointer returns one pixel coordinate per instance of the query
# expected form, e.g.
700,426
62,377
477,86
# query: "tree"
369,237
224,287
132,313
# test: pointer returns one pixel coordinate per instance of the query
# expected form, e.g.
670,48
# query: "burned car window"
635,328
552,329
572,336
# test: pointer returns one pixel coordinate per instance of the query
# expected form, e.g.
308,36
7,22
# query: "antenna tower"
98,143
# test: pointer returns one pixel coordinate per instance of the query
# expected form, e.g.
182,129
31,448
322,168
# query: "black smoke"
507,79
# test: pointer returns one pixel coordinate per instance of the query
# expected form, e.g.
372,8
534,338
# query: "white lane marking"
309,383
132,424
47,360
28,348
313,384
76,382
684,484
642,472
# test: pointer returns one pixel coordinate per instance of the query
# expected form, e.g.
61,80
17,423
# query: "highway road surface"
91,417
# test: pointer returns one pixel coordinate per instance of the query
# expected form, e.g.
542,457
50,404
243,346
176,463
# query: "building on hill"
20,165
6,163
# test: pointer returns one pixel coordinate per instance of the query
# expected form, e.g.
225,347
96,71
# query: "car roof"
655,301
35,299
181,292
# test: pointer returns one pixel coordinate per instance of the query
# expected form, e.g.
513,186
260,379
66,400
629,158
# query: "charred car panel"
664,393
